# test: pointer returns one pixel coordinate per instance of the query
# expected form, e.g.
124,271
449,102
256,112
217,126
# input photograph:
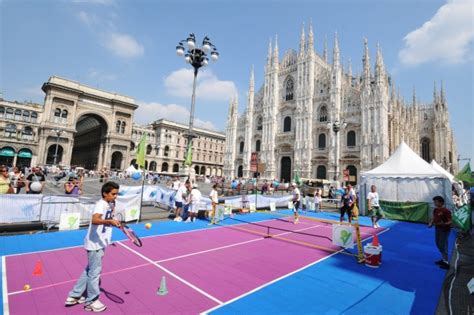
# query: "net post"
360,254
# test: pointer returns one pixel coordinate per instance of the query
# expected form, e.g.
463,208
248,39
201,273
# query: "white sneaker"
95,307
377,225
175,219
188,220
70,301
180,219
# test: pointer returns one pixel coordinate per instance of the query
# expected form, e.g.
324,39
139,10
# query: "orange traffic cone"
375,240
38,271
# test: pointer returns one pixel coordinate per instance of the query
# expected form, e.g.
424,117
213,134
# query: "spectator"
317,200
347,203
178,201
194,201
214,201
17,179
5,183
36,176
374,206
442,220
72,187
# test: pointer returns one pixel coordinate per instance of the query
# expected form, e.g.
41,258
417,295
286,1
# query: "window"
289,88
425,149
18,114
177,153
34,117
10,131
26,115
64,114
57,114
323,114
27,133
122,127
257,146
241,147
321,172
322,141
9,114
2,111
132,146
351,138
259,123
425,117
117,126
167,150
148,149
287,124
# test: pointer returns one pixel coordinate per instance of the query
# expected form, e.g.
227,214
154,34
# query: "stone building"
82,126
317,118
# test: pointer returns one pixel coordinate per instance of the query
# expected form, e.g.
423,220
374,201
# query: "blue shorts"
296,206
178,204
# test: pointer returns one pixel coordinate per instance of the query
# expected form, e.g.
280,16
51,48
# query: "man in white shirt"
176,184
194,201
178,201
374,206
214,201
296,201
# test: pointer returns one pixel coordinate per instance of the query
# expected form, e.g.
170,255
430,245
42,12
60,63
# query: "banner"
141,152
405,211
462,217
343,235
129,206
19,208
69,221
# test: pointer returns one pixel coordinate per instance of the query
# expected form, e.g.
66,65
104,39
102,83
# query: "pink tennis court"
204,269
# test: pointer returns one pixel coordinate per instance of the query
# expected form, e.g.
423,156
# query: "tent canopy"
404,163
438,167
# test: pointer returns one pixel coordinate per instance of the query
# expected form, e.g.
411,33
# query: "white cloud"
148,112
123,45
446,37
180,83
86,18
100,76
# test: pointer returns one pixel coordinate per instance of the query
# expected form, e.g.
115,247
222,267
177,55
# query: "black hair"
439,198
214,186
108,187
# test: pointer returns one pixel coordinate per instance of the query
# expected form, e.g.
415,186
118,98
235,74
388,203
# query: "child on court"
442,221
214,201
296,201
317,200
347,203
98,237
374,206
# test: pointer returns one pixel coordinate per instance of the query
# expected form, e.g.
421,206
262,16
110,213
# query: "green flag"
462,217
189,156
465,175
141,148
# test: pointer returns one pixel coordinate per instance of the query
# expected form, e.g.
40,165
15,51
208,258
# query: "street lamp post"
336,127
58,133
197,57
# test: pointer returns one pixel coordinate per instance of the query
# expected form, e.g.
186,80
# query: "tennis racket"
127,230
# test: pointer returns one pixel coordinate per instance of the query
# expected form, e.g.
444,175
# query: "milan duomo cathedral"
315,118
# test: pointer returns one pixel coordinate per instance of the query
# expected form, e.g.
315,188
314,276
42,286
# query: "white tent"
130,170
405,176
453,180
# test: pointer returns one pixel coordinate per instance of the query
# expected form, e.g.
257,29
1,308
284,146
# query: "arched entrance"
196,169
116,162
164,167
7,154
285,169
240,171
203,170
51,153
24,158
352,174
175,168
89,142
153,166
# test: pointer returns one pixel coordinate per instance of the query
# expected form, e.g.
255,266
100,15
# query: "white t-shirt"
98,235
213,196
374,199
176,184
195,196
179,194
296,192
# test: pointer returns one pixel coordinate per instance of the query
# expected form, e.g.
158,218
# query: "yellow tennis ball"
26,287
148,226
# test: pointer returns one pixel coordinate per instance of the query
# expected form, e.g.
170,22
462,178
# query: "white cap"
293,184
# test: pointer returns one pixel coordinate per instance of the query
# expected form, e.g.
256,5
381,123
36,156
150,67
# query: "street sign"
253,162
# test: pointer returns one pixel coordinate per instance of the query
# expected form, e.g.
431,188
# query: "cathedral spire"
311,37
269,55
379,66
325,50
366,62
275,51
335,56
302,40
435,93
252,80
414,96
442,94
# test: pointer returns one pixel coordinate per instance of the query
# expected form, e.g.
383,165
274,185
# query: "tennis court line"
219,302
161,261
280,278
205,228
6,310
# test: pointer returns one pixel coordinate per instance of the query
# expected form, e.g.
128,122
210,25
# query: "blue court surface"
407,282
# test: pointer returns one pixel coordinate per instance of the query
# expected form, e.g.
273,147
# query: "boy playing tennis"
296,202
374,206
98,236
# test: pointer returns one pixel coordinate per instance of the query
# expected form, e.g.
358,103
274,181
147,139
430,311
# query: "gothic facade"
317,118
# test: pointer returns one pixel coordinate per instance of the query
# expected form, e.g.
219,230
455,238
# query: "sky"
128,47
